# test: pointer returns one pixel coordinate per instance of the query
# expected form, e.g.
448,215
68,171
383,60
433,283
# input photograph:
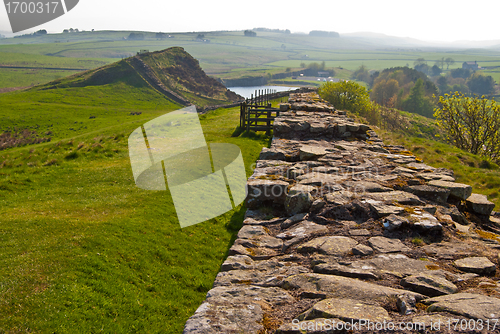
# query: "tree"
419,61
135,36
442,83
470,123
384,91
449,61
460,73
435,70
480,84
440,62
417,102
346,95
361,74
250,33
424,68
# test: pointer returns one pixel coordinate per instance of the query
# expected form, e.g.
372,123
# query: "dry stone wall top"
344,230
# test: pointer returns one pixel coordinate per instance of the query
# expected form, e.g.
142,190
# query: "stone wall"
344,231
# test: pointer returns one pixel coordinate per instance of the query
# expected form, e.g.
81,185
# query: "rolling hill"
172,72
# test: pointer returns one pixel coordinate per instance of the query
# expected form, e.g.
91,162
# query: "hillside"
172,72
83,249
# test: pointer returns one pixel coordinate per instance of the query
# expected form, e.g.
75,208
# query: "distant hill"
172,72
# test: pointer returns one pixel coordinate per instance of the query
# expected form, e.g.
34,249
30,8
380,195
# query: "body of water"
246,92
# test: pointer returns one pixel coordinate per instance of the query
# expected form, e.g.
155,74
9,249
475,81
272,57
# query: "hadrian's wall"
344,231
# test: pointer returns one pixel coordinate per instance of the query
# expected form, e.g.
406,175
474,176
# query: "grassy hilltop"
83,249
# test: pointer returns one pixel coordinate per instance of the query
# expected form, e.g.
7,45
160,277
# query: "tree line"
471,123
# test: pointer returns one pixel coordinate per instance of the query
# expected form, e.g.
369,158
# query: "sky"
428,20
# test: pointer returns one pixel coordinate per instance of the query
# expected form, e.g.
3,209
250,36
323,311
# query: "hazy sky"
425,19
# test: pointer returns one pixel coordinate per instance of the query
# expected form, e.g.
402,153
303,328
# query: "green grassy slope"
83,249
99,98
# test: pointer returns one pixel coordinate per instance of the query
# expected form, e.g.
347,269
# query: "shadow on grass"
235,224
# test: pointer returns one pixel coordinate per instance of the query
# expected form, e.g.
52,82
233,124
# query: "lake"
246,92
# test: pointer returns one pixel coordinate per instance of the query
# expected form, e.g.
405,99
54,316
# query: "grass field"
229,54
85,250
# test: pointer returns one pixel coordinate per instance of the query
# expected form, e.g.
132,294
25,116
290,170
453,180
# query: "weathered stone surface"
298,202
394,222
268,273
271,154
436,194
406,304
386,245
402,171
325,170
428,208
478,265
303,229
310,152
455,214
395,264
429,285
262,190
260,221
265,241
231,309
320,179
331,286
317,205
254,252
449,250
360,232
355,211
301,188
425,221
340,270
382,209
362,250
466,304
347,310
293,220
340,197
433,176
402,197
459,190
235,262
420,167
479,204
251,231
272,295
226,316
360,187
330,245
